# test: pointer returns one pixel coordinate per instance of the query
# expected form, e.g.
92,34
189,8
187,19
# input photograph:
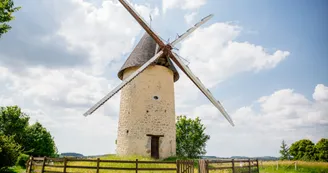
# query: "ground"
265,167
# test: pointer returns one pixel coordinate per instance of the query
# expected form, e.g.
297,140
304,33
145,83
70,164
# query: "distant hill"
71,155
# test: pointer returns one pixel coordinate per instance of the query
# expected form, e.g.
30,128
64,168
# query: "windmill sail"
126,81
201,86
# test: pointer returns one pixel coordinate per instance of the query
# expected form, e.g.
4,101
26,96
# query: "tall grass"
289,167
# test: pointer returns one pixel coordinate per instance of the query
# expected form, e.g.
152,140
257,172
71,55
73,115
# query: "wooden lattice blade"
124,82
143,23
192,29
200,85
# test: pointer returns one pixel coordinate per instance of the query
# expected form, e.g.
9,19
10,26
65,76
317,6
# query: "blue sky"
266,61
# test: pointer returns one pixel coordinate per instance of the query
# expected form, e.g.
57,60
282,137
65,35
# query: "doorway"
154,142
155,147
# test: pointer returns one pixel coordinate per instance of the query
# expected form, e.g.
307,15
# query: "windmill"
147,111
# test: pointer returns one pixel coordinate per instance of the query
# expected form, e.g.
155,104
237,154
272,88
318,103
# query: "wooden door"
155,147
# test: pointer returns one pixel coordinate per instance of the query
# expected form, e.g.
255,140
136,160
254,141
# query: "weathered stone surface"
147,107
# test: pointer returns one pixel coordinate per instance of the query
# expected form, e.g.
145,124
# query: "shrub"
22,159
9,151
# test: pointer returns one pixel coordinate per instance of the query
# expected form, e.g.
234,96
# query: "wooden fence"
66,165
235,165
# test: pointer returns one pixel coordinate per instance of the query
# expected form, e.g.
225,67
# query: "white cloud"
106,32
285,114
189,18
321,93
182,4
215,56
212,50
58,96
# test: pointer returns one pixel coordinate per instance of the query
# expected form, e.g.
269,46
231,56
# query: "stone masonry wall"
147,107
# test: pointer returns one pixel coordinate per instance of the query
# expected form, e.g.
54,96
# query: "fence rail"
179,166
245,165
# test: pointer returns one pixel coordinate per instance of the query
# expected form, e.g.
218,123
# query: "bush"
9,151
22,159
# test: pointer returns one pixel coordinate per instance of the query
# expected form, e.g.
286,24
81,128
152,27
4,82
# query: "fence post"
31,164
277,164
98,160
295,165
233,165
178,166
206,166
43,164
257,164
65,164
136,165
249,165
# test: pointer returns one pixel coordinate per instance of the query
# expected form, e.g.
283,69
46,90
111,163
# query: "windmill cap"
143,52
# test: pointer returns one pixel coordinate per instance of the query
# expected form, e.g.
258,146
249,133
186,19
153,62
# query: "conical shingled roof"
143,52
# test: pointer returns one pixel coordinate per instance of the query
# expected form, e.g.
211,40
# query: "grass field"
265,167
289,167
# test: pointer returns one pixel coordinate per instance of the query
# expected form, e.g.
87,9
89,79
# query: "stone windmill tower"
147,108
149,126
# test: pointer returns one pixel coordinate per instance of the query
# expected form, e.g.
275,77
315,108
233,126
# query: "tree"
38,141
13,122
284,151
190,137
9,151
303,150
34,139
6,10
322,150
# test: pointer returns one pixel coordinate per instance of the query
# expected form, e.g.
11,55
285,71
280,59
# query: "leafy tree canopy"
38,141
13,122
34,139
190,137
303,150
6,10
322,150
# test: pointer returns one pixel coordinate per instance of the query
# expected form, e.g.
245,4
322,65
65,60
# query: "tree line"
305,150
19,139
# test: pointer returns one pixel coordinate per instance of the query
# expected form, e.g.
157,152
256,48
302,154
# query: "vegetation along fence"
68,165
234,165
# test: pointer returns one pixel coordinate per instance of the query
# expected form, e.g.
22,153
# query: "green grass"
14,169
289,167
265,167
119,165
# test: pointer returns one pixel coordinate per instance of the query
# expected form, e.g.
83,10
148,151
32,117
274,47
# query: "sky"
266,61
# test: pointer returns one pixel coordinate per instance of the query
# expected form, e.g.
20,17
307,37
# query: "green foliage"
190,137
303,150
38,141
22,160
13,122
284,151
9,151
34,139
322,150
6,10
